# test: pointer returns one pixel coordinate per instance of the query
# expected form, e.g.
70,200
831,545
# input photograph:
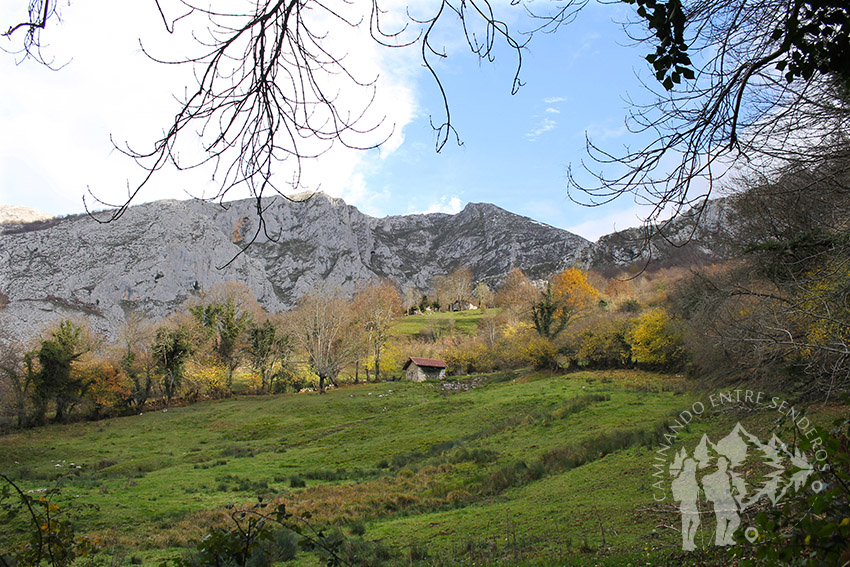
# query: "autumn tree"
574,292
55,380
107,386
377,305
567,295
226,313
268,346
516,295
172,347
325,327
656,340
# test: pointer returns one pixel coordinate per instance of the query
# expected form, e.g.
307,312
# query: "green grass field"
465,322
513,468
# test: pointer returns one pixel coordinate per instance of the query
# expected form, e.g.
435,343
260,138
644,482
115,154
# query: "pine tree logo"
721,472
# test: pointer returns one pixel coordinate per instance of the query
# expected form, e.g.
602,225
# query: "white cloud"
544,126
446,204
608,130
57,125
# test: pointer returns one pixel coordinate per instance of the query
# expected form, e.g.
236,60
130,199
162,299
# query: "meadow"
554,463
512,468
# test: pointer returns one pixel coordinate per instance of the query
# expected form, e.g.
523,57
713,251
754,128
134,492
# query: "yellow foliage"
392,358
540,352
602,342
469,356
205,380
823,312
254,381
573,290
656,339
512,330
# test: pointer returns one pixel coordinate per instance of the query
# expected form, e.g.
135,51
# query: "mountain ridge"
160,254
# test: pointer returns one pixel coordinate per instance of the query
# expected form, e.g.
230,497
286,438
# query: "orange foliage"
573,291
107,383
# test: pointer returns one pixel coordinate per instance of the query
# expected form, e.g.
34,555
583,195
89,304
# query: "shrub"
541,353
205,380
657,340
469,356
107,386
601,343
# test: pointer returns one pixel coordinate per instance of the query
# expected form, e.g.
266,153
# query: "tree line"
223,336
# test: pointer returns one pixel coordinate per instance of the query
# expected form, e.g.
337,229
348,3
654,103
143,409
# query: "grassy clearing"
465,322
524,468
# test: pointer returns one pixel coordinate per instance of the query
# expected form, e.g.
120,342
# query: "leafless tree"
133,350
734,82
410,298
786,302
516,295
376,307
453,290
484,295
268,75
753,92
324,326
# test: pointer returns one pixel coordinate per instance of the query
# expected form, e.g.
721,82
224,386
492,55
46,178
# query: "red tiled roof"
427,362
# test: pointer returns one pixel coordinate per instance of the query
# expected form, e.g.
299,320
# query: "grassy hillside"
465,322
517,467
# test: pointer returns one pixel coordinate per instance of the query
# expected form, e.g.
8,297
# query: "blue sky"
516,148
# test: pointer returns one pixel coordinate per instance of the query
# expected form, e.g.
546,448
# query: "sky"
57,127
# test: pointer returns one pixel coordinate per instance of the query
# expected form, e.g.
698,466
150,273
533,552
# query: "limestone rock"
160,254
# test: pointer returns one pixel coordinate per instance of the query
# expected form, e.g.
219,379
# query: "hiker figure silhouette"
686,490
718,490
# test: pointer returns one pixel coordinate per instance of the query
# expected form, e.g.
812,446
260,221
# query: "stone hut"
419,369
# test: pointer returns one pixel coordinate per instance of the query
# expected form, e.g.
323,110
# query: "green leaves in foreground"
47,529
814,528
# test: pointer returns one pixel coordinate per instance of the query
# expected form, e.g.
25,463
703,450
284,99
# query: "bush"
540,352
469,356
282,546
657,340
286,380
602,343
205,379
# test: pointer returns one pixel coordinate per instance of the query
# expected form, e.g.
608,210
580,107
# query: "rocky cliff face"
160,254
697,237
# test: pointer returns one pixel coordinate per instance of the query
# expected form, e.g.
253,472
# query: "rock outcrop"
14,214
160,254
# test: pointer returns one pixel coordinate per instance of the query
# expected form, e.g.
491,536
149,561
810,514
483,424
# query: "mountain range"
159,254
